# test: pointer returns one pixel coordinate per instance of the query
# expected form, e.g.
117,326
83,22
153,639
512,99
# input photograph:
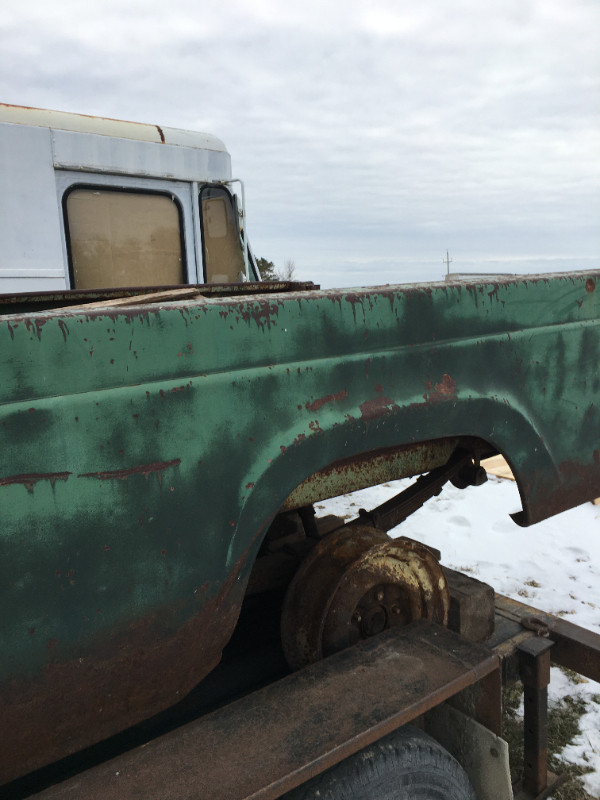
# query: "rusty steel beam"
483,702
574,647
278,737
535,674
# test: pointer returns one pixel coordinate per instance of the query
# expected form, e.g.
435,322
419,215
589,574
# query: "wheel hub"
384,606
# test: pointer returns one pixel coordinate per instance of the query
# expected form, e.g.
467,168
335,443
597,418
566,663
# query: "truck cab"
95,203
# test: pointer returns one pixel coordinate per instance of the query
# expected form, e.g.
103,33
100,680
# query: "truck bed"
148,448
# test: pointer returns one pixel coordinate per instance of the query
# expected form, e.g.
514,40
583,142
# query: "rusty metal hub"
356,583
384,606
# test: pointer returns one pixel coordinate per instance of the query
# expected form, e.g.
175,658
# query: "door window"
223,256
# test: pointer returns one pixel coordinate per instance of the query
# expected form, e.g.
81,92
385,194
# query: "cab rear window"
123,238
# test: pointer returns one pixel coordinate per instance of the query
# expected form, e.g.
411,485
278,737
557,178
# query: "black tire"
406,765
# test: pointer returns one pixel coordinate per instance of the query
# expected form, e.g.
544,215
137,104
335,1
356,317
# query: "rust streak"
330,398
64,328
122,474
31,478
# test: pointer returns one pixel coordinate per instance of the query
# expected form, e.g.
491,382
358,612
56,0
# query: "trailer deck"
275,738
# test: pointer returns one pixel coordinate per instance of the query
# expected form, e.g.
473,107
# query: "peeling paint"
377,407
30,479
330,398
443,390
122,474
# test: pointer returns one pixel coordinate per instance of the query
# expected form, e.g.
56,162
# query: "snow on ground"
554,566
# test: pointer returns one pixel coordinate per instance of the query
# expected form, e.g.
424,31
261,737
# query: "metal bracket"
534,668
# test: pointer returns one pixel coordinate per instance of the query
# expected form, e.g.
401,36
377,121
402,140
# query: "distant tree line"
269,272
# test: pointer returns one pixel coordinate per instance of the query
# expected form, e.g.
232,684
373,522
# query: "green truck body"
146,450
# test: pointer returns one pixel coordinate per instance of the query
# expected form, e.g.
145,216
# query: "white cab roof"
81,123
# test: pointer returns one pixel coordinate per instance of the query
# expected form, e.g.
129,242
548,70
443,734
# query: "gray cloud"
370,139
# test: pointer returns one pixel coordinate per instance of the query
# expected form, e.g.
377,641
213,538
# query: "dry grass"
563,726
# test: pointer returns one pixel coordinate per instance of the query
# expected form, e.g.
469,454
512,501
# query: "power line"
447,261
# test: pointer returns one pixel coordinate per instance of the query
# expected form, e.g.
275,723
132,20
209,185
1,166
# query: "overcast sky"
371,136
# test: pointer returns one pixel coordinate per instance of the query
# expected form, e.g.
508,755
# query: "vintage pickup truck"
157,443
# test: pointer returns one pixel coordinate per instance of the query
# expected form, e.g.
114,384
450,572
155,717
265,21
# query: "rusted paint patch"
122,474
330,398
447,385
377,407
37,323
135,674
590,285
31,478
262,314
443,390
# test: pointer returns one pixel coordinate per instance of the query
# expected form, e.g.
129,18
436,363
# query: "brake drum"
356,583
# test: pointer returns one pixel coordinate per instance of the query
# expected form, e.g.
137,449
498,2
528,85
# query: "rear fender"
336,439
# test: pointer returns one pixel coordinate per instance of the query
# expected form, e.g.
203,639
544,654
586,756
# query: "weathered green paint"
146,450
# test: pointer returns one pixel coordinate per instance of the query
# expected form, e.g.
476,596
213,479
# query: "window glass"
123,239
223,257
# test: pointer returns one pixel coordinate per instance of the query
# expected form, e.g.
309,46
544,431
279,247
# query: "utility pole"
447,261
